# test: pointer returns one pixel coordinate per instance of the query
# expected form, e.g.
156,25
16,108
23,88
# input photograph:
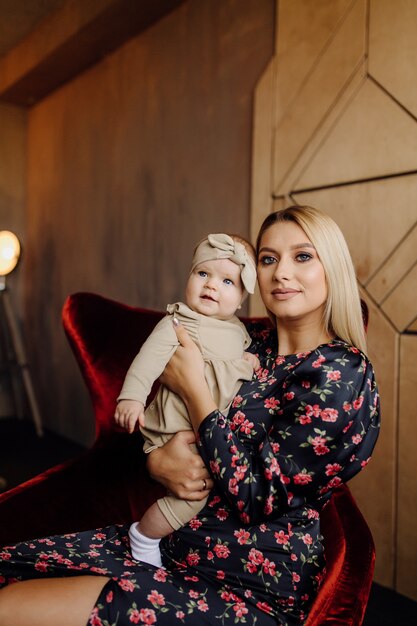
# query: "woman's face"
290,275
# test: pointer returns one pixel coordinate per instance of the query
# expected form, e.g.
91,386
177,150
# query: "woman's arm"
325,425
184,375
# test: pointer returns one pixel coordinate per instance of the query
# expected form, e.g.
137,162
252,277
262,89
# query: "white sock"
144,548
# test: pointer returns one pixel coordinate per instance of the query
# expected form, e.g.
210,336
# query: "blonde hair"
343,312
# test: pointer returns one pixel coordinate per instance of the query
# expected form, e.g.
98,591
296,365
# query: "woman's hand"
179,469
184,375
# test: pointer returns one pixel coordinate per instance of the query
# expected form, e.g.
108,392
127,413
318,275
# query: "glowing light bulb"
9,252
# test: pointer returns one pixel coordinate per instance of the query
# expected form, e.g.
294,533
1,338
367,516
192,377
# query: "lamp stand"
17,361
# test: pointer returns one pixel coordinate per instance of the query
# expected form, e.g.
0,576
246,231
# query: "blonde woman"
305,423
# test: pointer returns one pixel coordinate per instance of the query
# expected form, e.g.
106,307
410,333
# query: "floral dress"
254,555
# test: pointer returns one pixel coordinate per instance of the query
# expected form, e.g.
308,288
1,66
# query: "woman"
306,422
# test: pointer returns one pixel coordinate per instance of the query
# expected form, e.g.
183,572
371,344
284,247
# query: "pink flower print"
195,523
192,558
319,361
269,567
356,438
214,501
233,488
302,478
313,514
271,403
306,384
95,619
334,375
41,566
365,462
245,518
256,557
180,614
320,450
332,469
294,557
282,538
156,598
347,406
346,428
147,616
242,536
304,419
222,514
238,418
307,539
109,597
202,605
295,577
99,536
289,395
262,375
127,585
193,594
134,616
357,403
160,575
329,415
210,555
275,447
240,472
246,427
215,467
221,551
220,574
268,507
237,401
240,609
264,606
312,410
319,446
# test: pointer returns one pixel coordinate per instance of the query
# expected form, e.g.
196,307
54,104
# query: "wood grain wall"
335,127
129,165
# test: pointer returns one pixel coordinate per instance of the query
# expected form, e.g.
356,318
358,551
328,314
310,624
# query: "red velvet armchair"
109,482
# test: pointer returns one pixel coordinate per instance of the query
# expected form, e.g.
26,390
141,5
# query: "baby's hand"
252,359
128,412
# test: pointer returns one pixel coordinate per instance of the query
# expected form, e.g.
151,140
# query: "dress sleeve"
324,428
150,362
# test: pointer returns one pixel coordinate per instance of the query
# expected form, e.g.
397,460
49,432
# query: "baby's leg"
145,536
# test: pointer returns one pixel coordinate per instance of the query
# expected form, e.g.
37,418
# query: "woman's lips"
284,294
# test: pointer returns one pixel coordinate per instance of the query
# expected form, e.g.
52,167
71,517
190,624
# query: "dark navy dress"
254,555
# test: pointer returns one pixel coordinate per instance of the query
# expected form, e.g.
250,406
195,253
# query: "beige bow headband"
221,246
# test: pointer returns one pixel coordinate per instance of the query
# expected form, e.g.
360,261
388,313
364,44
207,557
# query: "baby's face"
214,288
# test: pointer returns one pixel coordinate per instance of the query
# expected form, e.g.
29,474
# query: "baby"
222,273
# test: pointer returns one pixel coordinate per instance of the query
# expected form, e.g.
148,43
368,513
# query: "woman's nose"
282,269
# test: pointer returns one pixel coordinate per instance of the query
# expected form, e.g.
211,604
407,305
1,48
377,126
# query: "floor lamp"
16,355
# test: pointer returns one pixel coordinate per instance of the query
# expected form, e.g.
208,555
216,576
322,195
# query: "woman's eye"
202,274
267,260
303,257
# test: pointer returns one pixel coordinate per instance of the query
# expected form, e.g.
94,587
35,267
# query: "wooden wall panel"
383,143
129,165
350,147
407,477
392,45
327,78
